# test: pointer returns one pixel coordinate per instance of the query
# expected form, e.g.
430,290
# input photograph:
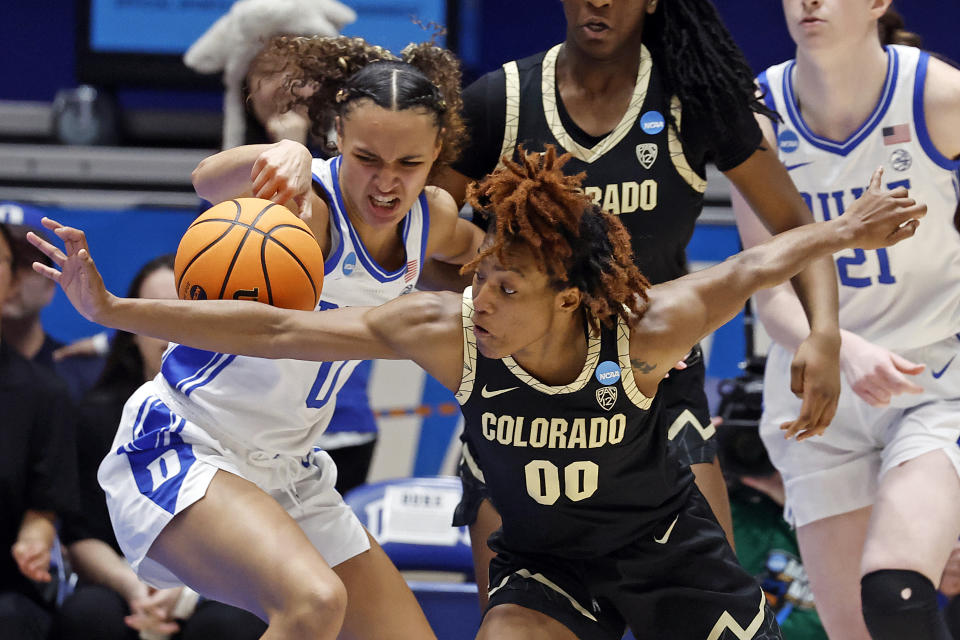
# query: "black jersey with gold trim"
576,470
641,170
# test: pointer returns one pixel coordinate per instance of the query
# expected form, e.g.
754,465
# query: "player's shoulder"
941,105
531,61
942,85
439,200
769,78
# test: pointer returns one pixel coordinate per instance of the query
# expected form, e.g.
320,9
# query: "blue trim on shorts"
159,458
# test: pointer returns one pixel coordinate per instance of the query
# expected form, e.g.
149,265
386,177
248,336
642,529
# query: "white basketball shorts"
161,463
840,471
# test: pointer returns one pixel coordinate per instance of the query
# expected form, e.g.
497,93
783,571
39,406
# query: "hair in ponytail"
891,29
331,74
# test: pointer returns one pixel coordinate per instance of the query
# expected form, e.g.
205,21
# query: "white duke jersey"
903,296
282,406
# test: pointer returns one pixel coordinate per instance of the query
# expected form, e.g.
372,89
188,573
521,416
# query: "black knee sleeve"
900,604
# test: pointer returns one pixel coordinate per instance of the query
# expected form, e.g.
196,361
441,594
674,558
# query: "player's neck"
25,335
558,357
597,77
837,90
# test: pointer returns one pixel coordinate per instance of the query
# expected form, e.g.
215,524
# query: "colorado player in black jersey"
556,353
643,93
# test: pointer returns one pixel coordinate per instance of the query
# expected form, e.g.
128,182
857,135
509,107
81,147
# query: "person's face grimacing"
387,156
515,305
827,24
602,28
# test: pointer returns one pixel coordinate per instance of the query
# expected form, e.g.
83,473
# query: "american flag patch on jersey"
411,272
896,134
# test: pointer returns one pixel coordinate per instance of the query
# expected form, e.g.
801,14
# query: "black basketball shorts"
679,579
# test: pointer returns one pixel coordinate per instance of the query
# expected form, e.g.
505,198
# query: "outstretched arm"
423,327
762,184
280,172
682,311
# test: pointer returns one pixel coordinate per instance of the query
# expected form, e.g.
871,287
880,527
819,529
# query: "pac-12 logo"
607,397
349,264
652,122
788,141
608,372
647,154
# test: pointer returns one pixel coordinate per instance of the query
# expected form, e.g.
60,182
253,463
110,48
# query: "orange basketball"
250,249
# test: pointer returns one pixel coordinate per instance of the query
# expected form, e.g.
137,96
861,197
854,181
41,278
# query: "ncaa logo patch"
647,154
607,397
788,141
350,264
608,372
652,122
901,160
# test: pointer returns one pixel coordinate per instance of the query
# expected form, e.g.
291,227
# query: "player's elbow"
751,271
200,177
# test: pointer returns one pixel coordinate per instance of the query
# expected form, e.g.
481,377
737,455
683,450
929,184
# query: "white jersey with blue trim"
904,296
282,406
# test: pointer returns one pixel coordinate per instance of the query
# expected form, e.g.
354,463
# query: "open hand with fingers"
815,377
874,373
78,275
283,173
880,217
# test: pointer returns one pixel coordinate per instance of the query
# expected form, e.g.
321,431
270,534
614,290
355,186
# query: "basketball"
250,249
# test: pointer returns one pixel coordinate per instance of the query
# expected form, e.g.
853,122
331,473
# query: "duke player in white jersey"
556,354
876,500
212,479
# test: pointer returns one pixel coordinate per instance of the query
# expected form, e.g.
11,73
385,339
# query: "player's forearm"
250,329
96,562
786,254
816,289
226,174
37,526
782,316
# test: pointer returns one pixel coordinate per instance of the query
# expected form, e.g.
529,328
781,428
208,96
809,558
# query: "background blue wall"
39,37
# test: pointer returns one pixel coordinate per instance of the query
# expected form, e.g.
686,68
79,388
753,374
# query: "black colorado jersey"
563,464
639,171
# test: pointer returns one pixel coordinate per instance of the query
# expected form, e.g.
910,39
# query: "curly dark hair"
329,74
700,63
534,204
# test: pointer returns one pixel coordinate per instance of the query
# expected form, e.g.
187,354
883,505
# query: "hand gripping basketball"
250,249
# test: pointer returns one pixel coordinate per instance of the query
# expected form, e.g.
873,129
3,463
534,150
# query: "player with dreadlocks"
643,93
556,353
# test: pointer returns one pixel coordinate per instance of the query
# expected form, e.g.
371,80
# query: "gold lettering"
611,200
594,193
648,194
578,434
518,440
598,432
558,433
504,429
618,426
539,430
486,421
630,200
